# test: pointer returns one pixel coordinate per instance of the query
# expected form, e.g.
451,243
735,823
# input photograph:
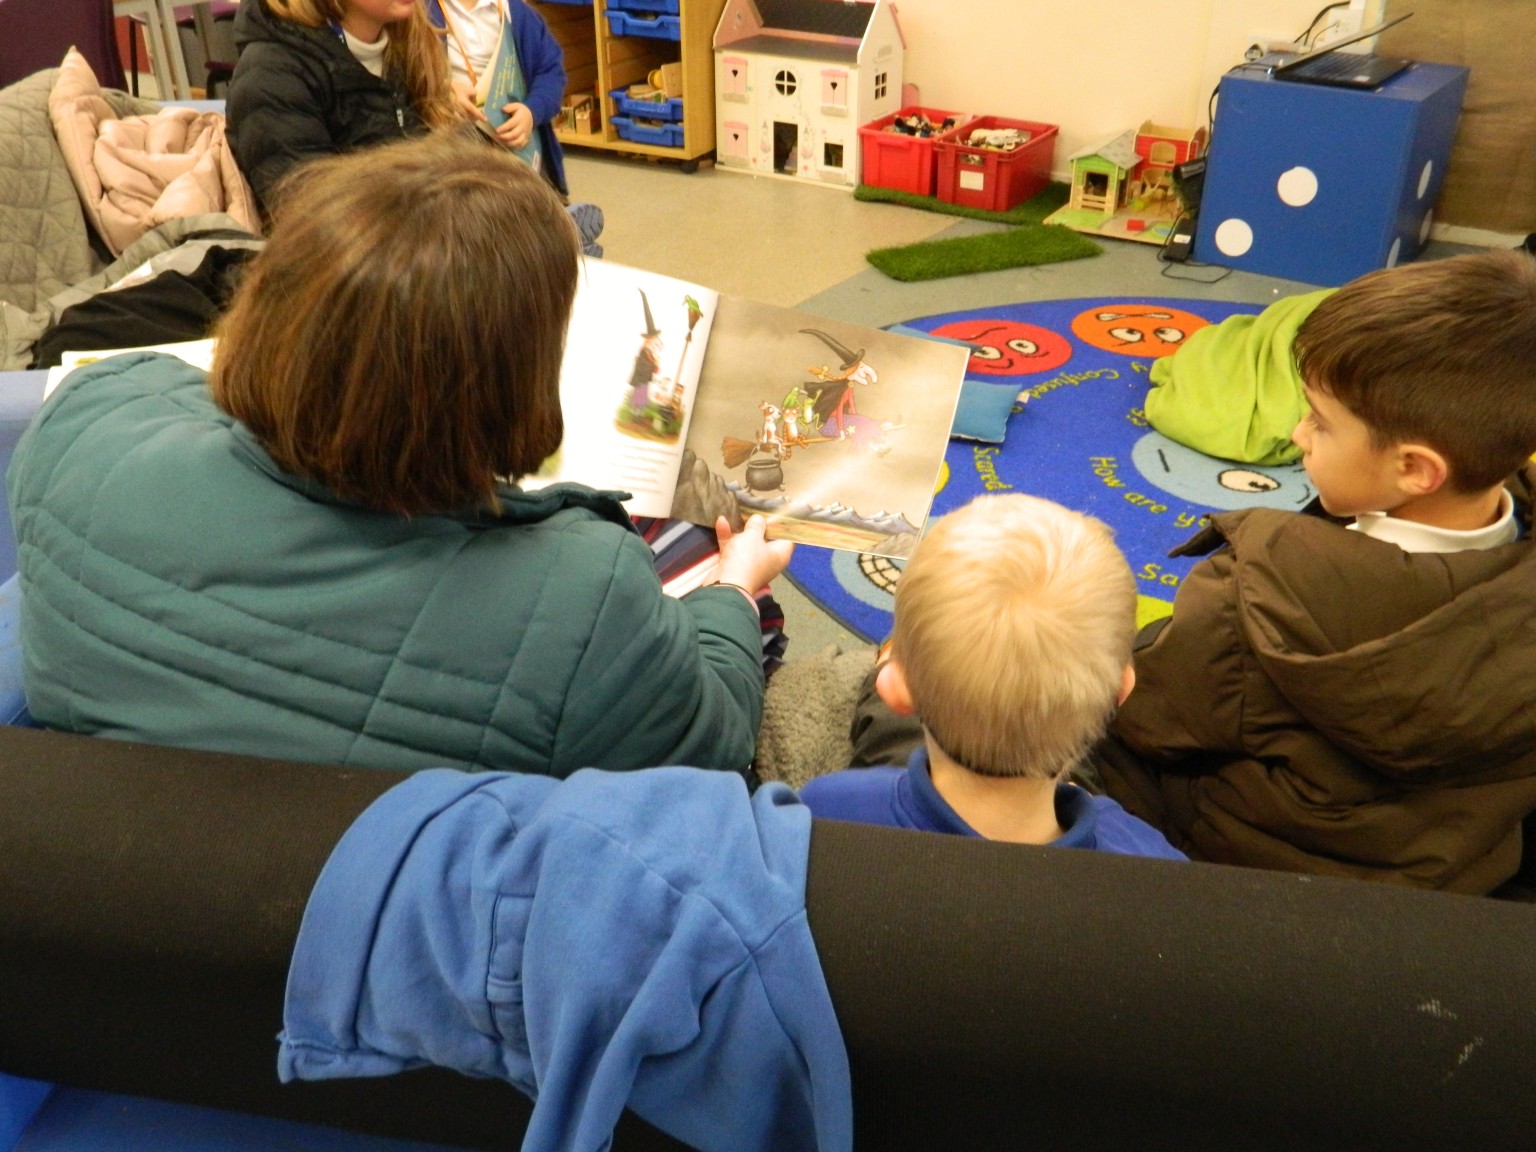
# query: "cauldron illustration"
764,474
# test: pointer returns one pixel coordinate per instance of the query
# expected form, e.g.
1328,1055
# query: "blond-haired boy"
1012,643
1354,699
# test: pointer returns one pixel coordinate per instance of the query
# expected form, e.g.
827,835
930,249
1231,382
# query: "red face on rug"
1149,330
1007,347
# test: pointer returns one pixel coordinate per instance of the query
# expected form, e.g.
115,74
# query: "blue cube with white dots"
1322,184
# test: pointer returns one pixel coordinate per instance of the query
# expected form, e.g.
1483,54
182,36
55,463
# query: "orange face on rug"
1149,330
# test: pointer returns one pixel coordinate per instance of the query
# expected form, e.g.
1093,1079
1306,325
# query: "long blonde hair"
415,54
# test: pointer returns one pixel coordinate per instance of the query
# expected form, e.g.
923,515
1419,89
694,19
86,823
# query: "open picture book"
703,405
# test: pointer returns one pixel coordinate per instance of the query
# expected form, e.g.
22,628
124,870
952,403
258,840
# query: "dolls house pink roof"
820,17
808,29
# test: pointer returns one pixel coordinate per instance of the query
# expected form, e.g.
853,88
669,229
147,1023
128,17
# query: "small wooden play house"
1161,149
1101,174
795,79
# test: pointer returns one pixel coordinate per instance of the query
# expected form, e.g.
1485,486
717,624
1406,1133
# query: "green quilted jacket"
179,588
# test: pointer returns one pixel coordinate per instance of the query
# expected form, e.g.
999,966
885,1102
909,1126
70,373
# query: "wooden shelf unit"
598,62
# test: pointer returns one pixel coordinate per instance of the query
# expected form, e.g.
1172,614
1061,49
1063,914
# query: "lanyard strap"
474,81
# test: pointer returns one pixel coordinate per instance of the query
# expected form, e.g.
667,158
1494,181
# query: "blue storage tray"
658,27
666,135
651,7
647,109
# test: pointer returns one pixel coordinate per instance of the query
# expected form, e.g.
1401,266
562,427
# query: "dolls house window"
880,85
785,82
733,141
733,78
834,91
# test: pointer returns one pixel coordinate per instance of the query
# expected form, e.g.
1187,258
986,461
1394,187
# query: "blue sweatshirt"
906,798
632,938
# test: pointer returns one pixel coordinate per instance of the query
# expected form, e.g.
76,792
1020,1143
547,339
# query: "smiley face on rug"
1219,484
1008,347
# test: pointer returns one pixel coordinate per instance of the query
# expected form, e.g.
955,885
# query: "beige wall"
1095,67
1098,67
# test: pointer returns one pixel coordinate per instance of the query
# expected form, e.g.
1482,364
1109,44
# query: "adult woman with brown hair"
311,554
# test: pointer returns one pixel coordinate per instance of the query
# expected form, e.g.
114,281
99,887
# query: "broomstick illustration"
695,314
735,451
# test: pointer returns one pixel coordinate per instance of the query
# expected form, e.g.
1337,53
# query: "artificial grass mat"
991,252
1028,242
1032,211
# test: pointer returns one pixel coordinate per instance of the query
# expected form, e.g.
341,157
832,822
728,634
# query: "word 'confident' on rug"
1082,440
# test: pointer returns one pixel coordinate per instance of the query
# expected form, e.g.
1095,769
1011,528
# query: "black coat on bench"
991,996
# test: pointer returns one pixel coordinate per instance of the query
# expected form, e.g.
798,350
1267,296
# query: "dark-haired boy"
1354,698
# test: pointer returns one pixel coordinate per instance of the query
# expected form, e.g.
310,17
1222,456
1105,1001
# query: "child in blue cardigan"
508,69
1011,649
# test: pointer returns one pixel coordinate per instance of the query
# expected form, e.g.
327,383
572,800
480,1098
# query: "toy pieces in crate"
898,154
646,102
1010,162
997,139
918,124
578,113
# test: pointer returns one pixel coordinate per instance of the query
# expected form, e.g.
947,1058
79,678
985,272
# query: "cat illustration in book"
768,437
790,431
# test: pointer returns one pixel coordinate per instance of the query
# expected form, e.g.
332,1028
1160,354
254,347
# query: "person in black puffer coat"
318,77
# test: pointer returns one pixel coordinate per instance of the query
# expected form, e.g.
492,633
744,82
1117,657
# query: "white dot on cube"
1429,218
1429,169
1234,237
1297,186
1397,250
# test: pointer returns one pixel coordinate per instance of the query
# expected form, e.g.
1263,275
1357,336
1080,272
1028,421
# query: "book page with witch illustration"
834,432
632,358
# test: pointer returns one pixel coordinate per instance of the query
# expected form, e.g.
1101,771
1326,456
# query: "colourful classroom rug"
1081,439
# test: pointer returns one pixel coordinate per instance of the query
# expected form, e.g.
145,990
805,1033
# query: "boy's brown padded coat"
1324,702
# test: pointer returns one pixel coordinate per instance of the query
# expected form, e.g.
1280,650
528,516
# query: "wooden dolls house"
1101,174
795,79
1160,149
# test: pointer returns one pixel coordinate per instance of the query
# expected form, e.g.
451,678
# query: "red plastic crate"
894,160
996,181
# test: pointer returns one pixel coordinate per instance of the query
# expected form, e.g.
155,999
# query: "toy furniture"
1093,1001
1160,150
1101,173
616,43
1142,160
1323,184
794,80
